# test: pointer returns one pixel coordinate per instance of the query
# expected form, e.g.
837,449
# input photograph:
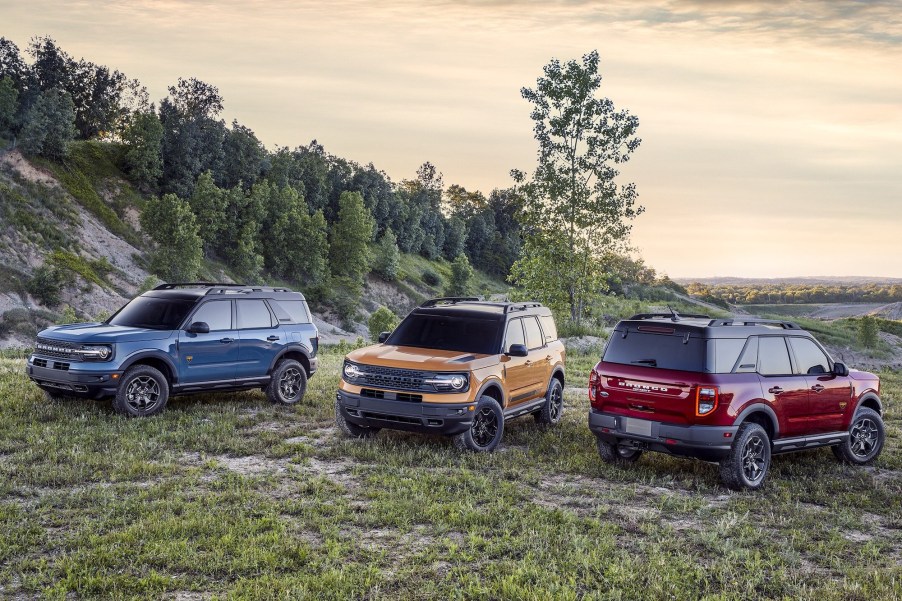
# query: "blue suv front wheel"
143,391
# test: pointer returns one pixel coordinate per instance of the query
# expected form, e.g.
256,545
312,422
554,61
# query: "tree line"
301,214
753,294
559,234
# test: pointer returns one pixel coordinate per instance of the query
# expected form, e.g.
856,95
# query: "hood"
410,357
88,333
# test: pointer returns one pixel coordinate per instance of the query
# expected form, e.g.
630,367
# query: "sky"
772,130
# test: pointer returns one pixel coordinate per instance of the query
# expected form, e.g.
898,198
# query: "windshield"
657,350
152,313
446,333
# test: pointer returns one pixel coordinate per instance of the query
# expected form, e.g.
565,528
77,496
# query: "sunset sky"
772,131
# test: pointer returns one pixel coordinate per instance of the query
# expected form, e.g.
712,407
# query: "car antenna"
674,313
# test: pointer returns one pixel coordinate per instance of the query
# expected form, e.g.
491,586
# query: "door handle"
272,338
226,340
817,388
547,357
775,390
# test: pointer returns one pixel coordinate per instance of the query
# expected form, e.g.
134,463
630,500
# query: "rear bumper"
428,418
88,384
710,443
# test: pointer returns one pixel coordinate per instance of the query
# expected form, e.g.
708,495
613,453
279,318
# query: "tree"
349,254
172,225
574,214
382,320
243,157
49,125
9,104
868,332
461,274
387,259
208,202
143,138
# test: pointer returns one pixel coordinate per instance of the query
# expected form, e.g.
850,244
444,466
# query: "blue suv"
183,338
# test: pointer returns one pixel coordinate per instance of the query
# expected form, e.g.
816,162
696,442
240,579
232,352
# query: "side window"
216,314
295,311
514,334
533,333
548,327
748,362
809,357
773,356
253,314
726,352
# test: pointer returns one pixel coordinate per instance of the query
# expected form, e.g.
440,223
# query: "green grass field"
227,496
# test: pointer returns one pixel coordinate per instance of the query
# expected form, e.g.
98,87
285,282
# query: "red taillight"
593,384
706,400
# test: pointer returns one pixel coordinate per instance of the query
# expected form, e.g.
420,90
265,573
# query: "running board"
519,410
798,443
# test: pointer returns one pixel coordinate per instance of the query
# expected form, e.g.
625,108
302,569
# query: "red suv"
728,390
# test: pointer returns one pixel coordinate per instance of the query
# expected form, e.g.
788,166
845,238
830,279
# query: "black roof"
195,290
731,327
461,305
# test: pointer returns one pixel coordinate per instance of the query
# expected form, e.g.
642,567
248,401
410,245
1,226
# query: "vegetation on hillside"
739,294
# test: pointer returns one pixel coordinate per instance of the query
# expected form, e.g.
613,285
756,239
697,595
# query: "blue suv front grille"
55,348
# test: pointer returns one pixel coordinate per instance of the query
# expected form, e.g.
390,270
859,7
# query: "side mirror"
384,336
840,369
199,327
517,350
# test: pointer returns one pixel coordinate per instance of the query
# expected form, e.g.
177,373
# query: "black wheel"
349,429
288,383
866,436
553,407
143,391
487,429
617,454
746,467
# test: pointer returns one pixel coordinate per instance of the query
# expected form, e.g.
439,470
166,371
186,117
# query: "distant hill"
799,280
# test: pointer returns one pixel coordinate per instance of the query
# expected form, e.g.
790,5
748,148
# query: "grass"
229,496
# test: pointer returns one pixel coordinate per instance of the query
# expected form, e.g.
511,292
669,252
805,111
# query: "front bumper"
710,443
429,418
90,384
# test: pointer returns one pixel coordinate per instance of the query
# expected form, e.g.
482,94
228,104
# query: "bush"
47,284
867,332
431,278
382,320
461,274
68,316
387,256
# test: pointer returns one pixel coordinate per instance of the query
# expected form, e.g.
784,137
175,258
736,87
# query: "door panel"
540,358
828,395
788,392
260,338
213,356
516,370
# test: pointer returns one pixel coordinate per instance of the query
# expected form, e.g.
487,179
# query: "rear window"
549,327
773,357
293,311
449,333
533,333
662,351
253,314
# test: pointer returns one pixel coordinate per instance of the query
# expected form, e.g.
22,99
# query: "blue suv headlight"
95,352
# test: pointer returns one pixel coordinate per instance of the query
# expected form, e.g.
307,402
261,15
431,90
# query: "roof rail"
521,307
448,300
175,285
670,316
244,290
786,325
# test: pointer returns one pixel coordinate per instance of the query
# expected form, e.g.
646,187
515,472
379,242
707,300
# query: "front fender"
152,354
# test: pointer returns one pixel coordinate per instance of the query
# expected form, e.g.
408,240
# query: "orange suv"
459,367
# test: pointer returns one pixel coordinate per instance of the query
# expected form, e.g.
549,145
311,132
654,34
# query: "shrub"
461,274
431,278
382,320
47,284
867,332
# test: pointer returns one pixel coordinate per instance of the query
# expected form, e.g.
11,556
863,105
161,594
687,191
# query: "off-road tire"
143,391
747,465
487,429
553,407
288,383
349,429
616,454
866,437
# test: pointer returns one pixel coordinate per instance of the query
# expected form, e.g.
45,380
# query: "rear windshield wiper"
651,362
